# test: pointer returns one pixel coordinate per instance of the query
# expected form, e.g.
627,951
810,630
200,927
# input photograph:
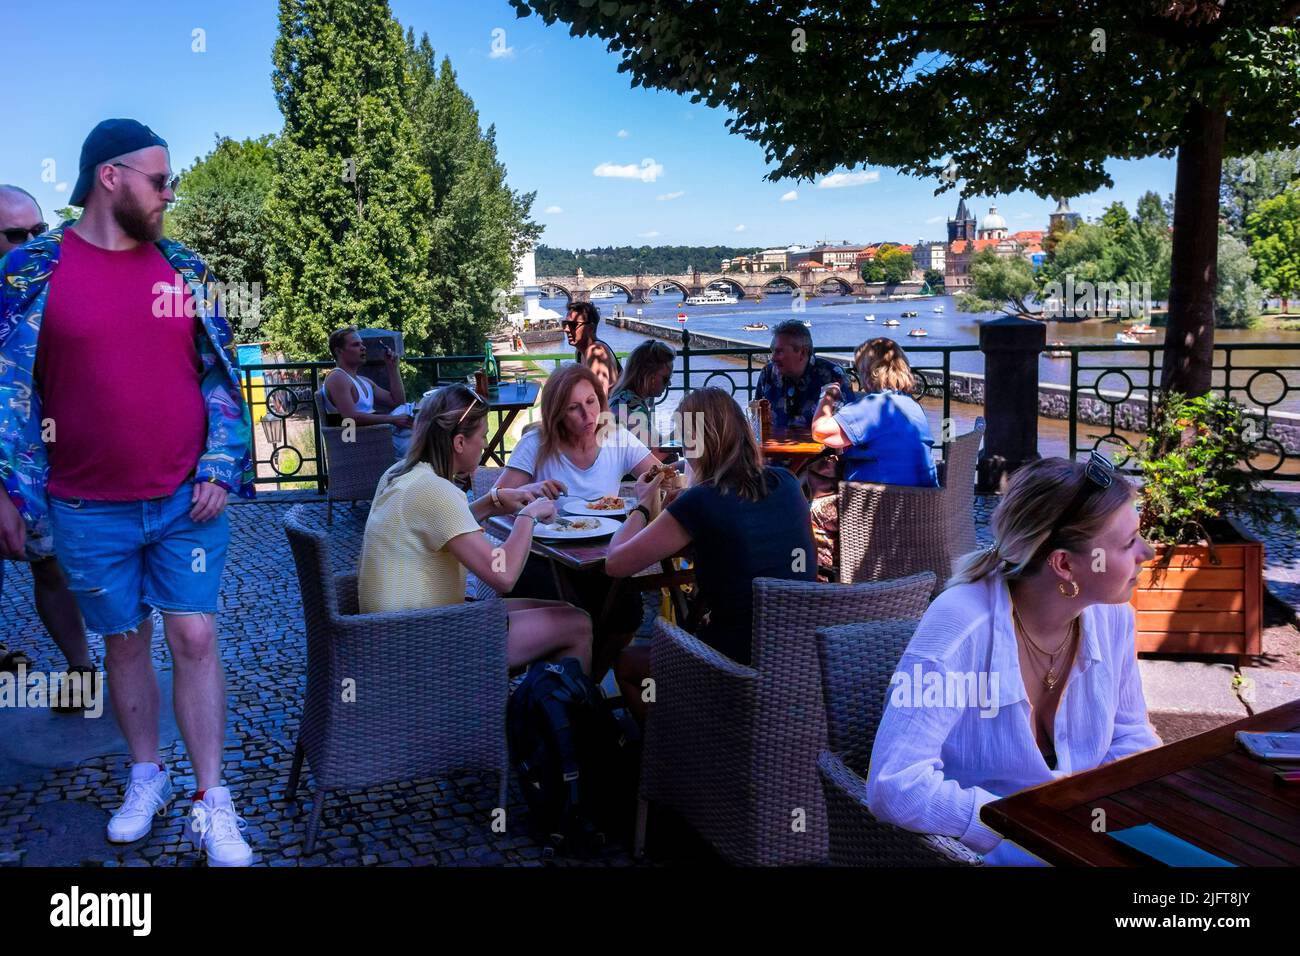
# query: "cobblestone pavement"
56,816
59,818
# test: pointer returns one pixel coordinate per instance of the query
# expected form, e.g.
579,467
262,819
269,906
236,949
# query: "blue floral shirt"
24,466
794,402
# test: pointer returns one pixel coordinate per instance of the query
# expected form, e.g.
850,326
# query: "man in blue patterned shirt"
793,381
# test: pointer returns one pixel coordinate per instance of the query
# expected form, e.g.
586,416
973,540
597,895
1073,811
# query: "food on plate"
584,524
607,503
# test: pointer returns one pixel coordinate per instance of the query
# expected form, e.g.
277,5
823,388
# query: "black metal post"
1011,348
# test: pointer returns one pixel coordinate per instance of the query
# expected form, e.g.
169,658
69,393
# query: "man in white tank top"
349,395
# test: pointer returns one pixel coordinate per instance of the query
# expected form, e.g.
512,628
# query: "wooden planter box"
1195,605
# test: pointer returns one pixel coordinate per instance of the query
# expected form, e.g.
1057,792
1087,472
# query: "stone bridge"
745,285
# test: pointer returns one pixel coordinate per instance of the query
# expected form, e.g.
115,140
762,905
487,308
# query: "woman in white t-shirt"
577,449
423,533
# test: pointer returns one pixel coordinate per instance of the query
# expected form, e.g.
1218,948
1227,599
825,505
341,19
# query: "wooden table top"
1203,789
793,440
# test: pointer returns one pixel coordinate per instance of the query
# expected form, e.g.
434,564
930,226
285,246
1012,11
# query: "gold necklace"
1051,678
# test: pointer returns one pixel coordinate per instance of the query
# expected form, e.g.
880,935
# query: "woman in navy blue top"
882,433
745,520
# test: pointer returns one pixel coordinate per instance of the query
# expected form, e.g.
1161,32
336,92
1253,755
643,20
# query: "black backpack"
577,762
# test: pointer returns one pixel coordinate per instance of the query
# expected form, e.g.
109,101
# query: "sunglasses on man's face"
19,235
161,181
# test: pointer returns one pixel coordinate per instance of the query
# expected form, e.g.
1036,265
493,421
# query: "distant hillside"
631,260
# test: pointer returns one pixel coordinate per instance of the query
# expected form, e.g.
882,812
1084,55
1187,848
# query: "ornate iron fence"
1115,387
1107,400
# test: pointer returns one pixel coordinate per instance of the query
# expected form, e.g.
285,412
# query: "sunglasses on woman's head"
19,235
474,398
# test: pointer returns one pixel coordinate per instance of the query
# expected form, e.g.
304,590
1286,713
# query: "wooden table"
1203,789
507,400
590,555
794,444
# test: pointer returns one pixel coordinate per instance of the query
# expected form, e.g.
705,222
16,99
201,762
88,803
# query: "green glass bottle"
490,364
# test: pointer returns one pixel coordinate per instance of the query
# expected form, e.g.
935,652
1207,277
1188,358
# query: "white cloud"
840,180
554,210
61,188
791,196
647,172
668,197
648,235
623,134
498,50
935,219
740,228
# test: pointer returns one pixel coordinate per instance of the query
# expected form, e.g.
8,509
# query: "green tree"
1237,297
1250,180
220,211
897,264
478,227
348,240
935,279
67,213
973,92
1275,228
999,285
872,270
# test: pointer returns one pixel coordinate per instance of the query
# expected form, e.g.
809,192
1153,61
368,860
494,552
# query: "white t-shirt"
619,454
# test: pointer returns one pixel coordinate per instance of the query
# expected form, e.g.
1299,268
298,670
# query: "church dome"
993,220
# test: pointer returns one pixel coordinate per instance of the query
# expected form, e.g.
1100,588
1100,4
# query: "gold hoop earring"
1070,594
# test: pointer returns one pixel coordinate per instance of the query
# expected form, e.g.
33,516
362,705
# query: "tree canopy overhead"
1001,95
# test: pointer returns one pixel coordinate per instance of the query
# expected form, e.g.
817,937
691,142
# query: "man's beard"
134,221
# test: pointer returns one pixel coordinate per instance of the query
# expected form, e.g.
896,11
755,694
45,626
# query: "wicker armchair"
892,530
430,685
353,467
733,749
857,662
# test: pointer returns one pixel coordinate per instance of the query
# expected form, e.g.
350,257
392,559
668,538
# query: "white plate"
580,506
605,527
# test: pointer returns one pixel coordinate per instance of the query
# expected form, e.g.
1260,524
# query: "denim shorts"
123,558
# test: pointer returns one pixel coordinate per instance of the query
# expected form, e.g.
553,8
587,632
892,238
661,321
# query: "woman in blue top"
882,433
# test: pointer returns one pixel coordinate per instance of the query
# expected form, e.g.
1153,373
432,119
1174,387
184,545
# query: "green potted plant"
1203,592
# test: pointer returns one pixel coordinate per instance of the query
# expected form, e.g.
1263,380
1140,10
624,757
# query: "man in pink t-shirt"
118,368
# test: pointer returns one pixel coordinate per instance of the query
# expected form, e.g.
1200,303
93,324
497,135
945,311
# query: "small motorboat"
910,315
807,323
1141,329
1057,350
1127,338
938,308
890,323
869,318
755,327
918,333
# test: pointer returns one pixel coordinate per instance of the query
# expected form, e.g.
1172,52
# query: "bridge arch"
730,281
846,287
662,281
596,283
546,287
782,280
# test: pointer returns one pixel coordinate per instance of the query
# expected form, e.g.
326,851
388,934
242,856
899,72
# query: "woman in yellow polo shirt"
423,533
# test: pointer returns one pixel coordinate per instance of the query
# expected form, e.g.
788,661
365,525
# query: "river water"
839,323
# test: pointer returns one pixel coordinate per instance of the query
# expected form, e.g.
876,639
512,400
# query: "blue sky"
560,107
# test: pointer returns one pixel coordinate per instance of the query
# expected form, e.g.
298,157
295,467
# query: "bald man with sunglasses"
20,222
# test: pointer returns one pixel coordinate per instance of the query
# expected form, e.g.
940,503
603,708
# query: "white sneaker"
215,826
146,797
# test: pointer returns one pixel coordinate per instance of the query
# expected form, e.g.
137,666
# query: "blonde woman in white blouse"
1023,670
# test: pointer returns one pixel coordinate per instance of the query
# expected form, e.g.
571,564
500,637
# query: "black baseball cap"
111,138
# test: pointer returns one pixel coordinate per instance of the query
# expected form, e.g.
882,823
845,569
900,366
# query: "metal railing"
1109,386
1117,386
